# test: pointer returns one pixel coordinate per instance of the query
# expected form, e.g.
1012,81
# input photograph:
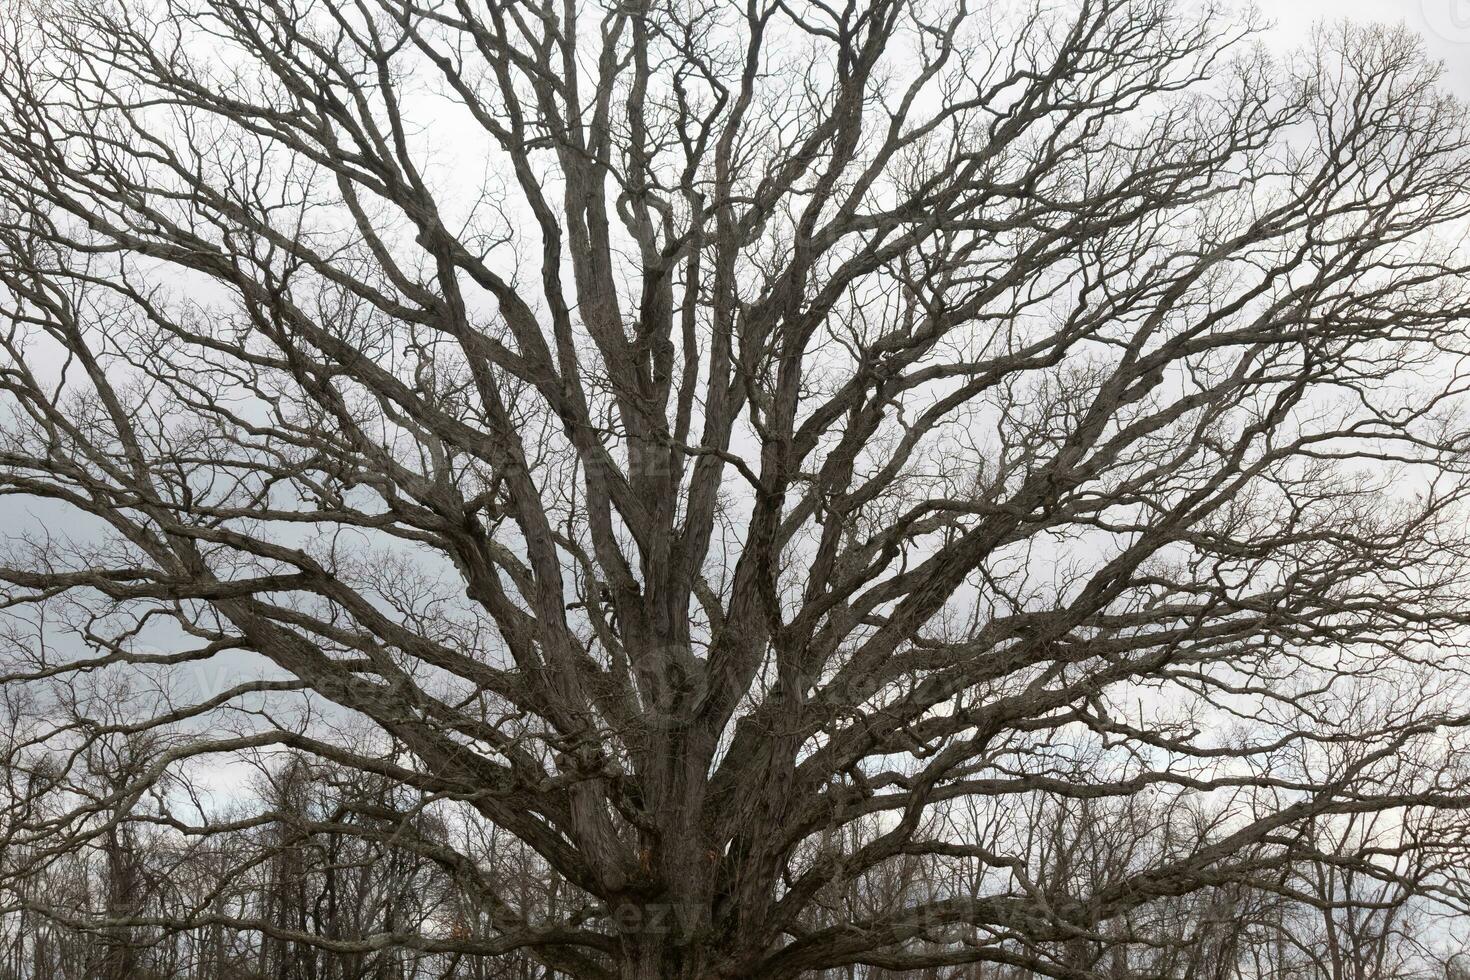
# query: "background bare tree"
687,490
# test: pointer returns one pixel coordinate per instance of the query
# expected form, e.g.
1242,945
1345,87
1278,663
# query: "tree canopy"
745,454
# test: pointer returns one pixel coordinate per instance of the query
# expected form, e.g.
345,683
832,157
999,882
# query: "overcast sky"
1444,24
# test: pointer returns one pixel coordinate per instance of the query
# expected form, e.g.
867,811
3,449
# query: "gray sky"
1444,24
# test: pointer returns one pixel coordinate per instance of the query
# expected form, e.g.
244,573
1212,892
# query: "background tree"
877,485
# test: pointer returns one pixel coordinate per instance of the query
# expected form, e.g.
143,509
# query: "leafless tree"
874,485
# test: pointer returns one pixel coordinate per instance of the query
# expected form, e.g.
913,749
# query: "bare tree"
790,468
